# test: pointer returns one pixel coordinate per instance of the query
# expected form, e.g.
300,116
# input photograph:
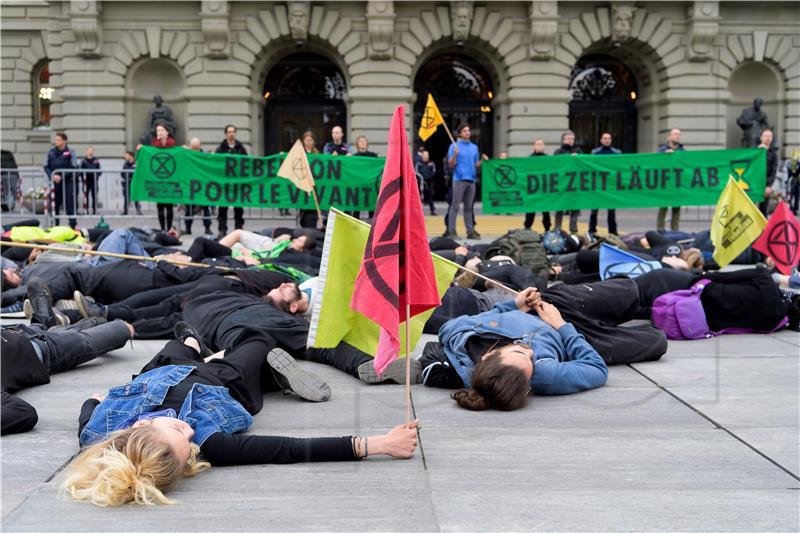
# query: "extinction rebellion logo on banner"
566,182
177,175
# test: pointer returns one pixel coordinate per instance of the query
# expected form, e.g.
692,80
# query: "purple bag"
680,315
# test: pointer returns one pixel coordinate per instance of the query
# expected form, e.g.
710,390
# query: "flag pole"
408,363
107,254
316,203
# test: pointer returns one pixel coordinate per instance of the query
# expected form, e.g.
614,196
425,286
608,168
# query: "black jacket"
225,148
567,149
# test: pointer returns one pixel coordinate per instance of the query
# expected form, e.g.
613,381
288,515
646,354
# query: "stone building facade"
691,65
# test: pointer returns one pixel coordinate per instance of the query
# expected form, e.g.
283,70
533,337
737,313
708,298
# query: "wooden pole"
107,254
408,364
316,203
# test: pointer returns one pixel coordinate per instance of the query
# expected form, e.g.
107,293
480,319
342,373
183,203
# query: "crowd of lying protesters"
526,315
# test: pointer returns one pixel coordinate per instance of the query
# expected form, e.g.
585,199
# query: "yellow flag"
295,168
431,119
736,224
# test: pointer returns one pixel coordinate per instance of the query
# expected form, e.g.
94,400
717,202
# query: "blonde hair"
130,466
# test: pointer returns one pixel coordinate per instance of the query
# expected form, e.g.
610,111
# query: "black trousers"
165,216
91,192
658,282
597,309
115,282
192,211
531,217
612,221
243,369
222,218
65,196
203,248
64,349
16,415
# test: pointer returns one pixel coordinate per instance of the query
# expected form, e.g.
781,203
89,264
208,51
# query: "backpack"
680,315
524,247
611,239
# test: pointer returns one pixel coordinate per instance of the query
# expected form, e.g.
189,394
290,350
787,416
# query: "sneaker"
473,235
184,330
39,306
66,305
291,377
82,324
89,308
396,372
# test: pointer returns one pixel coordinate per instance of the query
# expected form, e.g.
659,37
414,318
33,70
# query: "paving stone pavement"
706,439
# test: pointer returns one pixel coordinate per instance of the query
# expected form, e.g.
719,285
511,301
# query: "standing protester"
128,168
538,150
164,140
194,210
336,146
673,144
425,170
465,160
568,147
91,179
61,157
307,218
230,146
362,149
793,180
605,148
765,143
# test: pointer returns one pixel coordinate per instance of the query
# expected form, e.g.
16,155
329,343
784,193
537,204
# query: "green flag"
332,320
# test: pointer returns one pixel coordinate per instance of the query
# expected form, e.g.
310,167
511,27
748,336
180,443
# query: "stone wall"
215,56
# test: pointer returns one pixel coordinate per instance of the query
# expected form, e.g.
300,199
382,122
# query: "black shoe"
291,377
184,330
473,235
82,324
451,234
396,371
39,305
89,308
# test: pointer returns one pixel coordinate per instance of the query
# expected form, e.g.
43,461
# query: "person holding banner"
538,150
772,166
673,144
136,446
568,147
465,160
164,140
230,146
605,148
336,146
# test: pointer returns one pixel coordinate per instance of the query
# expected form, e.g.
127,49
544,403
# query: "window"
42,95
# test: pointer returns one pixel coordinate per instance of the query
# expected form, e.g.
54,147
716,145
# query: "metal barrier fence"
88,194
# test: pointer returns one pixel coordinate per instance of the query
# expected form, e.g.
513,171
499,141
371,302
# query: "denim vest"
208,409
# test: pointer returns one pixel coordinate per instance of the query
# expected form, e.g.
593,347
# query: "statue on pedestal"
752,121
159,114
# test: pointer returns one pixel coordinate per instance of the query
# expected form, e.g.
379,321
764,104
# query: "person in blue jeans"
184,413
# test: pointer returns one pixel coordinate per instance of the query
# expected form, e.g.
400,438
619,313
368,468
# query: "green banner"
180,176
563,182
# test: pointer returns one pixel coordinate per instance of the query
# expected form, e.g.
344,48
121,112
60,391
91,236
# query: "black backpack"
525,247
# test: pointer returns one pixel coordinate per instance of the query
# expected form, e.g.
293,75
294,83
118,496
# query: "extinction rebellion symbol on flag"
782,242
428,118
162,165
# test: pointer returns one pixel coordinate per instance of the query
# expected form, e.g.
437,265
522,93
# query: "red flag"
780,239
397,267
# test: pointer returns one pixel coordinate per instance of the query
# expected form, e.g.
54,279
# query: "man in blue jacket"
61,157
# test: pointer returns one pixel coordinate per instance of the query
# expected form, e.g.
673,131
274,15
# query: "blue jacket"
564,361
207,409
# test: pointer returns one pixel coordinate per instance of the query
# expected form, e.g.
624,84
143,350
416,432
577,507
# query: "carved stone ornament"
299,19
215,27
85,24
544,30
380,26
461,19
621,20
703,28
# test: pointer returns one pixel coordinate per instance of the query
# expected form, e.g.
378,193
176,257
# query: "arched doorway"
604,93
149,78
303,91
463,90
749,81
